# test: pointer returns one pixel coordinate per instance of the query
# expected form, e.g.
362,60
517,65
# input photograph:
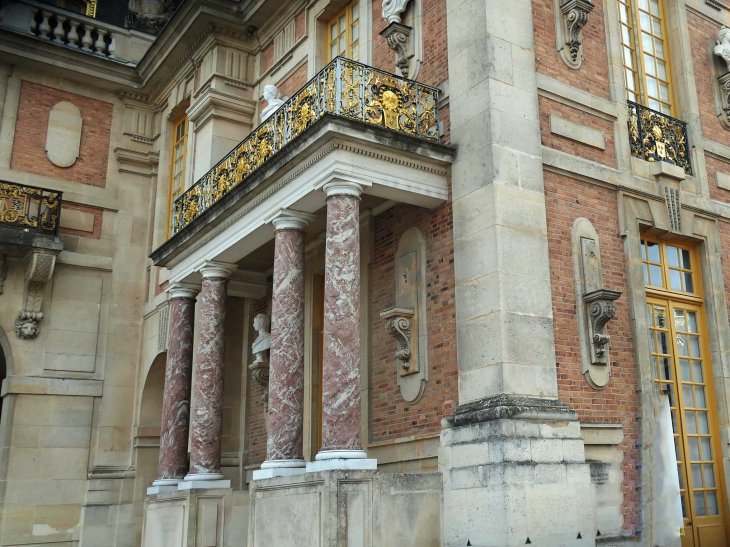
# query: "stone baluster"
86,40
173,461
100,44
73,33
341,369
44,29
112,46
207,415
284,455
59,31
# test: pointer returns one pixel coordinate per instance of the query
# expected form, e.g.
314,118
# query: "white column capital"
183,290
342,187
210,268
288,218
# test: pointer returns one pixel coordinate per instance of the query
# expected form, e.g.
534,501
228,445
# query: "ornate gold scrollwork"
654,136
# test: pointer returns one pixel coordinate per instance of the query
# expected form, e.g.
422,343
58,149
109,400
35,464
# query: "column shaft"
205,453
286,372
341,368
173,460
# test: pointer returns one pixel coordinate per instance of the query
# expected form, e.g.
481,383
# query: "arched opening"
150,420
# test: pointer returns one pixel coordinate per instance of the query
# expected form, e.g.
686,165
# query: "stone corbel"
398,37
594,304
38,271
398,325
570,18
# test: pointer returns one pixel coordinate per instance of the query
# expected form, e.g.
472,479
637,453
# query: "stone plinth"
334,508
514,469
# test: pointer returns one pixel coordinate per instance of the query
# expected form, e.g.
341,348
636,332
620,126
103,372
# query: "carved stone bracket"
399,40
570,18
594,304
601,310
260,373
38,271
398,325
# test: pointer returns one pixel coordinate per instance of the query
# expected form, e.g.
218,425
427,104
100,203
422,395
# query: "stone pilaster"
207,415
173,462
286,370
341,367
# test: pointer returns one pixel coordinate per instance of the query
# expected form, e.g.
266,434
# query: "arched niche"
147,438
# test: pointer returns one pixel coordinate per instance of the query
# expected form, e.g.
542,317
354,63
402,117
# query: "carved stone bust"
722,49
392,10
263,342
153,14
274,100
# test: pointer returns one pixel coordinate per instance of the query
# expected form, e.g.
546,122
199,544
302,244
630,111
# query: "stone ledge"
37,385
509,406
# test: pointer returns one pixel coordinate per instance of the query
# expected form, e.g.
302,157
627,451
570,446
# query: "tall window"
180,135
645,54
680,357
84,7
343,33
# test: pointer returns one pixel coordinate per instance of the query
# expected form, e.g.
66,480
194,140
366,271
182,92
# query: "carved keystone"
571,17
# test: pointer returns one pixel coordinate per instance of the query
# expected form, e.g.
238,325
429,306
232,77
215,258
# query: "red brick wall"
301,25
257,435
702,32
267,57
391,416
567,199
98,213
548,107
592,76
714,165
29,156
294,82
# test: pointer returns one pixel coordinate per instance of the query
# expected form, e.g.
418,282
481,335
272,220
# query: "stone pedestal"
207,415
173,462
335,508
514,473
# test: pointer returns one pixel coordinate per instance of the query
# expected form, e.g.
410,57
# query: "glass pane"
679,458
644,4
706,449
700,504
343,23
694,346
646,43
355,31
630,81
644,21
673,416
656,105
689,418
624,14
355,11
680,474
711,503
653,251
656,276
343,46
649,316
689,403
672,256
333,32
700,400
663,91
689,285
651,87
625,35
684,506
685,370
649,65
659,48
679,322
709,476
682,345
656,26
355,53
694,448
655,7
665,368
661,70
660,316
704,424
696,475
698,376
665,109
646,274
663,340
669,390
685,260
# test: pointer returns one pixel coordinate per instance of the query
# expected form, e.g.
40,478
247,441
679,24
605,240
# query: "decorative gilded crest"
654,136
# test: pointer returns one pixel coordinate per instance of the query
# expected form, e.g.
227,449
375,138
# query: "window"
83,7
177,181
645,54
343,33
682,369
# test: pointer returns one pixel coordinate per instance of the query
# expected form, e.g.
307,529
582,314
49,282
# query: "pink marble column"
173,462
341,368
286,369
207,415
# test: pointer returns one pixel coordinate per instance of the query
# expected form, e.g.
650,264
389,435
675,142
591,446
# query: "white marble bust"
392,10
263,341
274,100
722,49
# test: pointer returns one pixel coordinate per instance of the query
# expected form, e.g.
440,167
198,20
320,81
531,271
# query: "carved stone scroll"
406,322
594,304
570,18
399,40
38,271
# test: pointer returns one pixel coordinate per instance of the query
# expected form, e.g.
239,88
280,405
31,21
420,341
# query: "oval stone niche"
64,134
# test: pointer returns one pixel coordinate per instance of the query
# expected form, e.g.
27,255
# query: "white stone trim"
210,268
340,454
278,464
341,187
342,464
290,219
183,290
200,484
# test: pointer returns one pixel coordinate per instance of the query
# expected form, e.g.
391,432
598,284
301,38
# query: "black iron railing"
344,88
654,136
29,207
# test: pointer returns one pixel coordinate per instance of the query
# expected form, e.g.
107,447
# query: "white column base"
278,464
272,472
165,482
203,477
341,455
354,464
203,485
161,489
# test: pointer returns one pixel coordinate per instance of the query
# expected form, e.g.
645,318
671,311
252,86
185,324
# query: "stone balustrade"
66,30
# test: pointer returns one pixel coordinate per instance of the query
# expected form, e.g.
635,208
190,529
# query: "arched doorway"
147,441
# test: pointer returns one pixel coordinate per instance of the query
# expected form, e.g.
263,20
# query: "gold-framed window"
680,358
83,7
646,54
177,170
343,33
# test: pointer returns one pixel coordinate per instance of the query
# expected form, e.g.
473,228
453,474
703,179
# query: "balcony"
344,89
29,219
654,136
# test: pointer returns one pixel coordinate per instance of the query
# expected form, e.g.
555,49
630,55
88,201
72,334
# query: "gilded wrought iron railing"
29,207
344,88
654,136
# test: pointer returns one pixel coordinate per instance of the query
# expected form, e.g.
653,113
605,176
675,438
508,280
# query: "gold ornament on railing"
343,88
654,136
29,207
